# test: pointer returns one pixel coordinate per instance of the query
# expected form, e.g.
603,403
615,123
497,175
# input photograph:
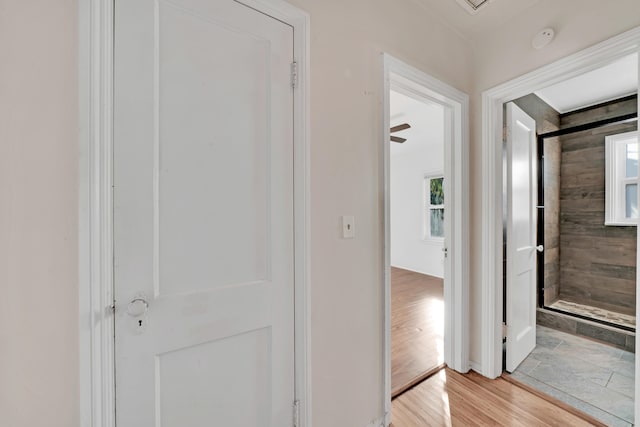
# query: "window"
621,175
434,207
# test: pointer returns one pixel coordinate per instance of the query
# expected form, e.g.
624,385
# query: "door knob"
539,248
137,307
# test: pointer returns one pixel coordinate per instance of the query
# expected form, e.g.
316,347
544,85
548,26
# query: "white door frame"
95,74
410,80
491,190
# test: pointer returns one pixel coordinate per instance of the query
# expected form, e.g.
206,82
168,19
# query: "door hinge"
296,413
294,74
504,330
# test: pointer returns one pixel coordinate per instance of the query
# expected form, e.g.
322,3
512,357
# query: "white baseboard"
380,422
475,366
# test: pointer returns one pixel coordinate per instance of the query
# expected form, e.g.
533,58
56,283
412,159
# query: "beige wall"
38,220
38,185
347,38
506,53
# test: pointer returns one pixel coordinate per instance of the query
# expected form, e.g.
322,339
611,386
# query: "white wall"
506,53
423,152
38,214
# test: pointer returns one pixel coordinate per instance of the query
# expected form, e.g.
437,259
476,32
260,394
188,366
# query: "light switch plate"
348,227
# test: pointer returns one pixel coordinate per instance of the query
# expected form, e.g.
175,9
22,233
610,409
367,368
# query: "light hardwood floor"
417,327
449,398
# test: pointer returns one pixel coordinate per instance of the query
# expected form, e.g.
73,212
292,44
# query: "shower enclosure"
588,267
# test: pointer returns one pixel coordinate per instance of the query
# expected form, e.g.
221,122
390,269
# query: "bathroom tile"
586,390
556,367
613,337
563,323
527,365
622,384
596,312
605,417
626,365
543,333
628,356
593,355
630,344
548,341
584,346
591,376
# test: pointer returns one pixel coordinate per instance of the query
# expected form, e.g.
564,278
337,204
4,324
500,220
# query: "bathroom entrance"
587,214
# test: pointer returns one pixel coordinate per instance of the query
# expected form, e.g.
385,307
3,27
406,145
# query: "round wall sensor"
543,38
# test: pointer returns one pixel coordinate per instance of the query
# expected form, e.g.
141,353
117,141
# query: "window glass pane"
631,200
437,192
632,160
437,222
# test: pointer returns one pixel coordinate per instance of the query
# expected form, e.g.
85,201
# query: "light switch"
348,227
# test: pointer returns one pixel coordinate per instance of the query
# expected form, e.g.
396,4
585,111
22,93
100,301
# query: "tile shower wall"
552,156
598,262
548,120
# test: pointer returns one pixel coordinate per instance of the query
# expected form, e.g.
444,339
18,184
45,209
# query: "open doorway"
584,225
418,192
439,230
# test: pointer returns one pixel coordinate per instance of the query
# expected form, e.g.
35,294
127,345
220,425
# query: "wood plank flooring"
417,327
449,398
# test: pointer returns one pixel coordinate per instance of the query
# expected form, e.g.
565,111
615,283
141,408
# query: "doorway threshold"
417,380
513,379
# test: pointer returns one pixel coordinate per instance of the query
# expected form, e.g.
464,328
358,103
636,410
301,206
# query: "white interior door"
203,215
521,235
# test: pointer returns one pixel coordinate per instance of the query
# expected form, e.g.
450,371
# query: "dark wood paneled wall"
548,120
597,262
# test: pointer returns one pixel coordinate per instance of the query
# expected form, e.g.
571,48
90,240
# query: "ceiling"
612,81
489,16
426,120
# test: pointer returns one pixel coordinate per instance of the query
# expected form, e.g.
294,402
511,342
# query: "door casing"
492,183
96,326
400,76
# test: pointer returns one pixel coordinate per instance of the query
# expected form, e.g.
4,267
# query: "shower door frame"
541,223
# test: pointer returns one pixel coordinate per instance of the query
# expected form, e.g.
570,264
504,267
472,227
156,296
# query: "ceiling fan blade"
399,127
397,139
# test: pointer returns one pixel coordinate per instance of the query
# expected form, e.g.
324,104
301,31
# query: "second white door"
521,236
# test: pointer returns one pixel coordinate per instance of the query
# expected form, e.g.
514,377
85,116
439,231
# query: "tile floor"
593,377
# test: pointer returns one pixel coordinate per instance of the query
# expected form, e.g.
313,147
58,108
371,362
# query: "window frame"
427,207
616,179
